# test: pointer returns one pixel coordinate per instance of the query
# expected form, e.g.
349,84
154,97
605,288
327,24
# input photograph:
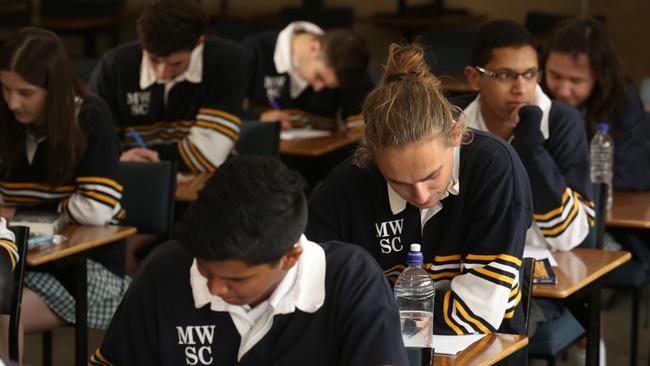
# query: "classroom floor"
616,322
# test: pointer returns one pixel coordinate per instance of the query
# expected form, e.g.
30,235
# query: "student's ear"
290,258
473,76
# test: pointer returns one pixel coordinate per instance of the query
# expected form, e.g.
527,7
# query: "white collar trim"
283,55
473,118
193,74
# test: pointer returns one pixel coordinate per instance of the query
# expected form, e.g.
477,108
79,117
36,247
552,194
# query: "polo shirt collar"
283,55
193,74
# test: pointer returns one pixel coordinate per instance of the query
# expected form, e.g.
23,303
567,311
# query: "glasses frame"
493,74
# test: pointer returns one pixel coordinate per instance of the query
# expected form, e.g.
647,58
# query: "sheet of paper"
539,252
452,344
302,133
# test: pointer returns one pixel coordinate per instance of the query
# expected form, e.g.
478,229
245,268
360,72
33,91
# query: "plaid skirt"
105,291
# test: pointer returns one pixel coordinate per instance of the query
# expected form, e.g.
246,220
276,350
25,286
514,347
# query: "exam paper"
302,133
539,253
452,344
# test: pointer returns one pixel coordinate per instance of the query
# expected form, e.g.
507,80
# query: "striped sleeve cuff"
96,201
12,251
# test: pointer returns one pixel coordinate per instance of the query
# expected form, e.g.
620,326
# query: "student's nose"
13,101
217,287
163,72
421,194
563,90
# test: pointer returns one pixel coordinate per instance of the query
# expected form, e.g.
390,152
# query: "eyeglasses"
509,75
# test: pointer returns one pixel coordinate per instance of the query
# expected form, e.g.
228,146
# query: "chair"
148,197
259,138
526,272
12,291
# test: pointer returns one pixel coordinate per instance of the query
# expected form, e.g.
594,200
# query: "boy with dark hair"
306,71
175,94
242,285
548,136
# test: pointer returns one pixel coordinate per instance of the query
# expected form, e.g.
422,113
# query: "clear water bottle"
602,160
414,292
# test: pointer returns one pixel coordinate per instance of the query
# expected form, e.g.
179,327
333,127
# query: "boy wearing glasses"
548,136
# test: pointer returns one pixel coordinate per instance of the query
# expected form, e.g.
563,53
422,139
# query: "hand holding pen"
140,153
276,115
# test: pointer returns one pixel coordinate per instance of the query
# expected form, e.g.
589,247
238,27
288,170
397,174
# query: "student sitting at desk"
304,68
59,152
176,94
548,136
243,286
421,177
582,69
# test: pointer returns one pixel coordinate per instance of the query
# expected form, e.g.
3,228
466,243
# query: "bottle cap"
602,127
415,256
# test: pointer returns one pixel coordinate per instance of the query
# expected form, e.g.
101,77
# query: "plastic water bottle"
602,160
414,292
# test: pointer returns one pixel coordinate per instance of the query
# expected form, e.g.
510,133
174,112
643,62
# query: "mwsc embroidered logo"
389,233
198,343
138,102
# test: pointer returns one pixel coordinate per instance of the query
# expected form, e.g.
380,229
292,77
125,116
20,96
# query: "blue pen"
138,139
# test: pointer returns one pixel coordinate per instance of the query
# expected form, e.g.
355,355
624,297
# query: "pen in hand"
138,139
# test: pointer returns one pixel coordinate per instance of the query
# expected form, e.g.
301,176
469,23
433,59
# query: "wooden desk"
487,351
189,185
318,146
579,275
631,210
579,268
79,245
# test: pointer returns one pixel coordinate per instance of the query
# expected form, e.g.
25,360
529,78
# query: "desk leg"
81,315
593,327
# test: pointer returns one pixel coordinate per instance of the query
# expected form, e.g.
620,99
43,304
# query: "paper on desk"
452,344
539,253
302,133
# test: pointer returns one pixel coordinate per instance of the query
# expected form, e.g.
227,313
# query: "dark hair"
608,99
347,54
39,57
392,119
497,34
169,26
253,209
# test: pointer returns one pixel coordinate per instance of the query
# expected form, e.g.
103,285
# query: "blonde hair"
406,107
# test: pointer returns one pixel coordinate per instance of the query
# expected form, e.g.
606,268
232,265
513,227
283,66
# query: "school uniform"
332,308
555,154
271,73
91,197
472,239
192,119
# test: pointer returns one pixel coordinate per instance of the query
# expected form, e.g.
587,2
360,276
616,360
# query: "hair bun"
407,63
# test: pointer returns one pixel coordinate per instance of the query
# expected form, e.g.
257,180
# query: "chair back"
148,197
596,234
11,291
526,272
259,138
